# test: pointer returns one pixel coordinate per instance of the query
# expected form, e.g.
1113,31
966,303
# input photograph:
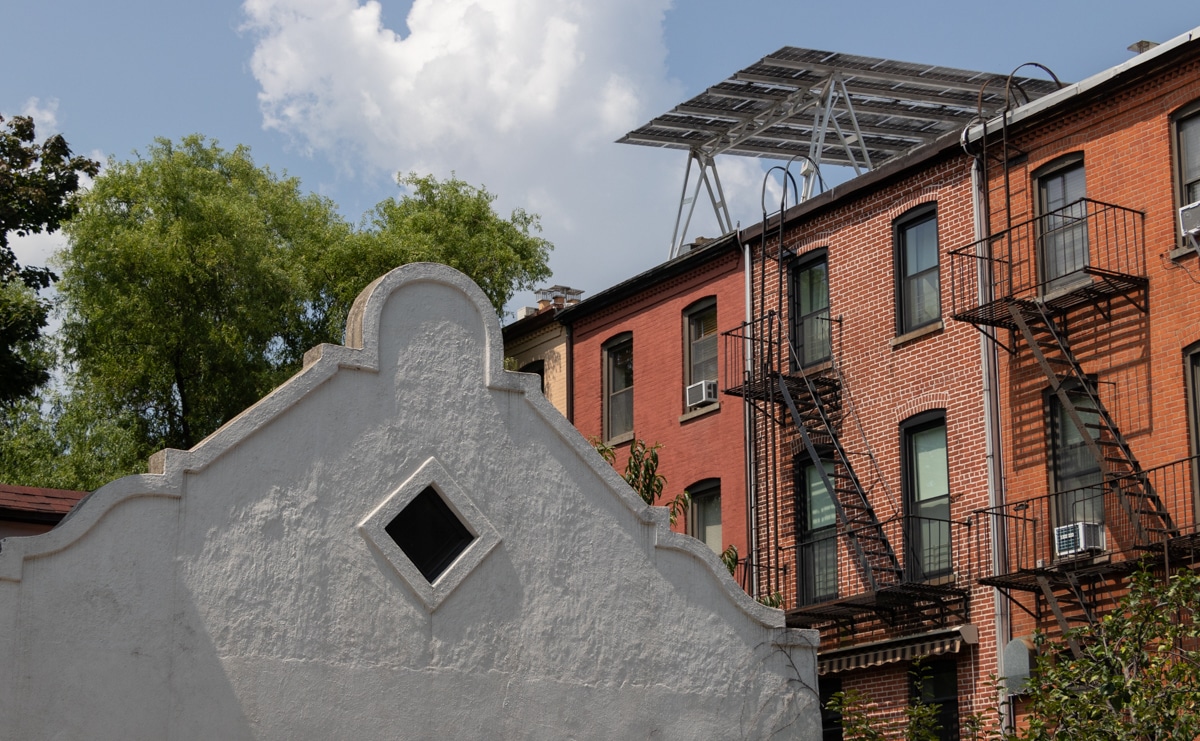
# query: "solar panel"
882,108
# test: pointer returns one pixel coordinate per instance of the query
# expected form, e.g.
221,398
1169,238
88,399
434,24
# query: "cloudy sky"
523,96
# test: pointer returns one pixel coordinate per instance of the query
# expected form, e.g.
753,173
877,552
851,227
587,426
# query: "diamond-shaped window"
430,532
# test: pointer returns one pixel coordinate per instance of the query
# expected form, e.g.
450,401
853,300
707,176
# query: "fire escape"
1041,288
802,419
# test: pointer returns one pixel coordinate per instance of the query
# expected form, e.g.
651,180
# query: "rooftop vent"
557,296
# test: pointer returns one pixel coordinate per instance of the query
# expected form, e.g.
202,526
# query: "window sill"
943,580
700,412
917,334
1181,252
619,439
816,368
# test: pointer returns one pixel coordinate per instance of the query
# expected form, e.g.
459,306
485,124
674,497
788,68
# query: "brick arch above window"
927,402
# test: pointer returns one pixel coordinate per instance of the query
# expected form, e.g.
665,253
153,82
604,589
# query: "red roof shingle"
37,500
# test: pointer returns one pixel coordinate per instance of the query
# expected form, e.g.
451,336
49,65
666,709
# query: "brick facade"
697,444
885,380
1129,342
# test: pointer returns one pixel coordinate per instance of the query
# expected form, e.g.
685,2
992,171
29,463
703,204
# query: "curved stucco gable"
260,584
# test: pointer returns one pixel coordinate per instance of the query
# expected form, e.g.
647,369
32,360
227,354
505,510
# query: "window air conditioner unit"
701,393
1189,223
1077,538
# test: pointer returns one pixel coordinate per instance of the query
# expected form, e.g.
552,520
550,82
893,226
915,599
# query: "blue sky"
523,96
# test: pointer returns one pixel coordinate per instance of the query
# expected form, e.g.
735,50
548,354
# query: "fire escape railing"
1076,255
1035,534
896,569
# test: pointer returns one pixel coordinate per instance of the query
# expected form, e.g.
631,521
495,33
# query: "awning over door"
935,643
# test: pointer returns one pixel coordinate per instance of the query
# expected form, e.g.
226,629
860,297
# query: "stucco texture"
243,590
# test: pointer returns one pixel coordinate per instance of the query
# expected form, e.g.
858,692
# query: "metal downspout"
991,416
570,363
747,442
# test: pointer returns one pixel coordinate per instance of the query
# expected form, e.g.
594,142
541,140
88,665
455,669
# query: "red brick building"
645,360
860,372
963,396
1090,288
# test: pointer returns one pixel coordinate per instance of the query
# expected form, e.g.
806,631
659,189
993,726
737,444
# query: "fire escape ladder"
1123,473
875,555
1052,599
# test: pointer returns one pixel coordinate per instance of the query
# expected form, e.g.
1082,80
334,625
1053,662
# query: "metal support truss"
706,176
832,111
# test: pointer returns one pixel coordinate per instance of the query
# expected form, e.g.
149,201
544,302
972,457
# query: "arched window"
700,352
810,333
617,359
926,471
1062,227
704,520
918,283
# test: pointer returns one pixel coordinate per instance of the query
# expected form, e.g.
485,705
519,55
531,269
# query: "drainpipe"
570,365
747,422
991,417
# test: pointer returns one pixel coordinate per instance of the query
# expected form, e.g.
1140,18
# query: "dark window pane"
706,516
619,370
1063,239
429,533
927,493
919,283
810,312
1189,158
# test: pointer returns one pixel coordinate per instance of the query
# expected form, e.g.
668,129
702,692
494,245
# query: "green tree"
185,294
1137,677
446,221
195,280
68,442
36,184
641,473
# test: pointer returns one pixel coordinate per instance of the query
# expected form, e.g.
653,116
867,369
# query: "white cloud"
523,96
45,117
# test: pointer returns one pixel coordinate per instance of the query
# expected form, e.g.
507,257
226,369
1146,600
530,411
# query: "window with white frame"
618,387
1187,143
1186,130
701,350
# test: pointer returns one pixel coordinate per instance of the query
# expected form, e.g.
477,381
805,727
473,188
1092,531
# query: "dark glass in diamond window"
429,533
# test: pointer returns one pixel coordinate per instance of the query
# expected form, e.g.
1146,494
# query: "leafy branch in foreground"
641,473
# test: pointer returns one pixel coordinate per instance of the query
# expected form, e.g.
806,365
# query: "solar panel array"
770,108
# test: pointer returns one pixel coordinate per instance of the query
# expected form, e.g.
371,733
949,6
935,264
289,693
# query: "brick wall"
696,445
1136,355
887,381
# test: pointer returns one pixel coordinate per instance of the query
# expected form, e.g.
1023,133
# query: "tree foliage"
1137,678
641,473
445,221
195,280
68,442
183,285
1138,675
36,184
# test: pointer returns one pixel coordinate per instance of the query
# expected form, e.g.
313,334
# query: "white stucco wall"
237,593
